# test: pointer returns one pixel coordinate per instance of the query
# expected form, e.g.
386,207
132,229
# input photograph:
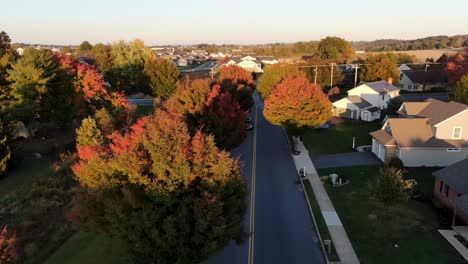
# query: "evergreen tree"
89,133
163,77
5,154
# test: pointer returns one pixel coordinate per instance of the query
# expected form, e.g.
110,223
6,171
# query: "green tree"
273,75
460,92
394,104
173,197
106,122
163,76
322,76
380,67
89,133
85,47
390,186
5,43
5,154
128,68
31,77
103,58
334,48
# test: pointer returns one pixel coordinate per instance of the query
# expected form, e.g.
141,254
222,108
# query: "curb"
308,205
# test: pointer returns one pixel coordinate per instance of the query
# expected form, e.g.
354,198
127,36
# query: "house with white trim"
417,80
429,133
250,63
366,101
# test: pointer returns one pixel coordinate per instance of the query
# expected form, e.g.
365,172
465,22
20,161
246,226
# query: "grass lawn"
375,229
89,248
339,137
321,225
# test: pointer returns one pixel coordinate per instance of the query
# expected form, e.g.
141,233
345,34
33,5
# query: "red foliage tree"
334,93
296,103
239,83
456,67
7,247
159,179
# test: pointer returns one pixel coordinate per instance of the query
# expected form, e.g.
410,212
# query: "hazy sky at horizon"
230,22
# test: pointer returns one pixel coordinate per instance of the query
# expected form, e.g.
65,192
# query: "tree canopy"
334,48
460,92
163,76
84,47
380,67
7,247
273,75
456,67
296,103
239,83
172,196
5,154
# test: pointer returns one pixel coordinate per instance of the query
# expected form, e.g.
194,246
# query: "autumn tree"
105,121
322,73
334,93
456,67
89,133
103,58
173,197
85,47
379,67
7,247
224,119
334,48
239,83
460,92
273,75
38,87
163,76
297,104
5,154
7,57
128,66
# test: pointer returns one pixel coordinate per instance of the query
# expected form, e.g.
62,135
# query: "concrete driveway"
345,160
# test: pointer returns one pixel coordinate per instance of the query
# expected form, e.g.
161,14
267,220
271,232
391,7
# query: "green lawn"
321,225
339,137
89,248
405,233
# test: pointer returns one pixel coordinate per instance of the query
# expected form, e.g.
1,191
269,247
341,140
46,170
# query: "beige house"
430,133
366,101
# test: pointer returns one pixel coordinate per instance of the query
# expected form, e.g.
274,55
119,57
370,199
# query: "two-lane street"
283,231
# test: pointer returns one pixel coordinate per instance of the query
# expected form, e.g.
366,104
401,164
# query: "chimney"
390,80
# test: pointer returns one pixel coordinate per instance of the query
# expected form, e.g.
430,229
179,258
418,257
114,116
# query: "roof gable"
455,175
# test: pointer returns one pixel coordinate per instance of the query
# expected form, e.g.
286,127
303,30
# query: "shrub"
396,162
390,187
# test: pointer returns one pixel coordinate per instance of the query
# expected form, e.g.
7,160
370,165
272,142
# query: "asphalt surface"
283,229
345,160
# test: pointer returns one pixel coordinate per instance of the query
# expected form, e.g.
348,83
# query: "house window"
457,133
453,150
444,189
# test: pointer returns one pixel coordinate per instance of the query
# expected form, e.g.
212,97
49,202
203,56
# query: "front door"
365,116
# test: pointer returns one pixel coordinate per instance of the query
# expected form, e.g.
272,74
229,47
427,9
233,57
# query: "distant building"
20,51
251,63
417,80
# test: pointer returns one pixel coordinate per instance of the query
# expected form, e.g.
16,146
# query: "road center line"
252,194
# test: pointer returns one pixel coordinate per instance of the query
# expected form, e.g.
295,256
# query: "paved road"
345,160
283,228
417,97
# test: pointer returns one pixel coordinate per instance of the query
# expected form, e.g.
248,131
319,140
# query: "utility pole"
212,73
315,76
331,75
356,67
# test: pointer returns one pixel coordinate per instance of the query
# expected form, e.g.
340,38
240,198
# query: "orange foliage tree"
456,67
273,75
7,247
174,197
296,104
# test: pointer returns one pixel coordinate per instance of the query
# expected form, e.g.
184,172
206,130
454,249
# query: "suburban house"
430,133
180,62
451,188
416,80
20,51
366,101
250,63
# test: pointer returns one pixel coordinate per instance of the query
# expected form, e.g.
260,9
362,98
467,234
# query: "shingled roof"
438,111
358,101
382,86
455,175
430,76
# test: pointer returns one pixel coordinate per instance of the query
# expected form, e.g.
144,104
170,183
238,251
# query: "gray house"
430,133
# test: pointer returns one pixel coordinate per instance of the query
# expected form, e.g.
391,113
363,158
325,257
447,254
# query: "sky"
228,22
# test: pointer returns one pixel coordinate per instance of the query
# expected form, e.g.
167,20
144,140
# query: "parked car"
248,124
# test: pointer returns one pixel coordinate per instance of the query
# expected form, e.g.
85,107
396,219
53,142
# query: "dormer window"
456,133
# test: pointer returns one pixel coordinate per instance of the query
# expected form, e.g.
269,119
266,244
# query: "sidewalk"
338,234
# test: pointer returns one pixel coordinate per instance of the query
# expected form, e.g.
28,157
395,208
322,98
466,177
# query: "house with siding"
366,101
451,188
418,79
430,133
